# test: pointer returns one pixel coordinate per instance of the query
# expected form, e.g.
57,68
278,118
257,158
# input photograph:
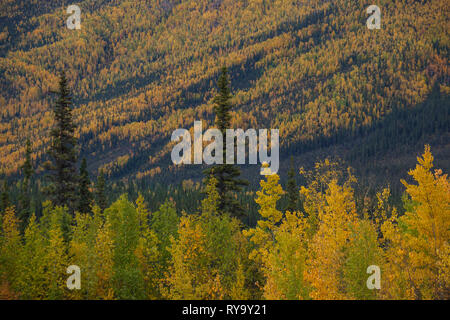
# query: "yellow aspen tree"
431,220
56,260
444,267
381,213
285,265
208,258
148,257
419,239
318,180
147,251
238,289
125,226
326,256
263,235
241,285
226,252
189,277
11,248
164,224
226,247
142,212
32,272
362,251
210,203
81,252
104,251
397,270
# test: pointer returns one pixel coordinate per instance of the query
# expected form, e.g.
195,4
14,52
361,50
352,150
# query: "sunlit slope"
140,69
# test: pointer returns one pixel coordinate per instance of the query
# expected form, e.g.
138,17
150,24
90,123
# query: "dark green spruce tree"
226,174
62,171
292,191
25,210
100,191
84,192
4,197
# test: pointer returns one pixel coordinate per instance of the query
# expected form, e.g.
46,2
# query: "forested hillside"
359,208
140,69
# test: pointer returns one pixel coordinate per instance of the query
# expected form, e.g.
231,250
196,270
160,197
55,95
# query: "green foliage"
100,195
55,258
363,251
127,252
124,222
32,281
208,258
4,196
25,196
292,190
164,225
285,264
82,252
11,246
84,193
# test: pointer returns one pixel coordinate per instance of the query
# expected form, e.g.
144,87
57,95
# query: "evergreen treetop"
225,174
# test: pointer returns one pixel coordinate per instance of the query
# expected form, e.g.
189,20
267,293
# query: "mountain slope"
140,69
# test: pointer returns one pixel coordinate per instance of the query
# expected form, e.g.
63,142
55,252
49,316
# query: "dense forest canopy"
140,69
326,250
86,177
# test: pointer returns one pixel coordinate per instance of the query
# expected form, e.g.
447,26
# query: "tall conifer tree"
225,174
4,197
63,179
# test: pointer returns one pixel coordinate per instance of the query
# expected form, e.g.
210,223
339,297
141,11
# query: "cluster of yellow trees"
320,252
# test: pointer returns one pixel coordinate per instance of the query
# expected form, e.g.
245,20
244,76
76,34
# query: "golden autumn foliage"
103,249
189,277
9,251
264,234
285,263
56,259
140,69
32,267
418,252
326,258
321,251
209,256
